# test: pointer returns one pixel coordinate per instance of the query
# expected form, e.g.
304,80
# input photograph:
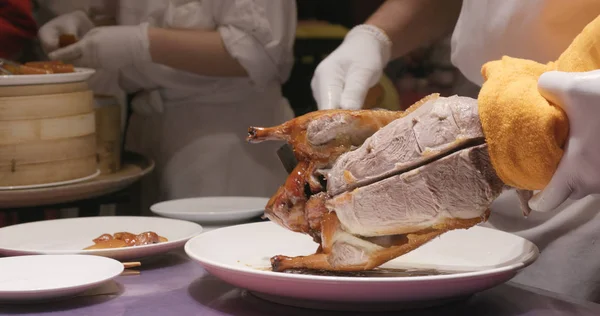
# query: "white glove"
108,47
76,23
578,173
343,79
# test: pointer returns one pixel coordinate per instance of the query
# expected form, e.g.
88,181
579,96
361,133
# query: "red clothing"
17,26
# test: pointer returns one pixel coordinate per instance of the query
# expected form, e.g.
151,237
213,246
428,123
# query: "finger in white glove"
76,23
327,89
343,79
578,173
108,47
356,86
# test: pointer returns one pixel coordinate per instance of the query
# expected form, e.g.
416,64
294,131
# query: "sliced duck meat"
434,129
461,185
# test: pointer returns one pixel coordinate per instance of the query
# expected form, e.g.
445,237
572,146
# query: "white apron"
194,127
539,30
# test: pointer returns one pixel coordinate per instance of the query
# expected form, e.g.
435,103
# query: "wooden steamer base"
47,134
133,168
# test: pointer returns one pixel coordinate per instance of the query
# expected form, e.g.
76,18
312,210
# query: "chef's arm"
197,51
413,23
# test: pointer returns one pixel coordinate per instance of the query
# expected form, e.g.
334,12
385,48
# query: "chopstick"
128,265
128,270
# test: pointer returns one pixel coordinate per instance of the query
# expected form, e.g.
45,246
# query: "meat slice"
524,197
371,225
435,128
461,186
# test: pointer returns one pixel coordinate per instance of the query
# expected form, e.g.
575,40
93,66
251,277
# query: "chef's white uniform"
539,30
194,126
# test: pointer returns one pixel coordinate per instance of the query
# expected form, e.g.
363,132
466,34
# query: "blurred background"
322,25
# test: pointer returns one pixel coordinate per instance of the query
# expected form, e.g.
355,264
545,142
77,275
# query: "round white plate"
212,209
53,184
481,257
31,278
80,74
70,236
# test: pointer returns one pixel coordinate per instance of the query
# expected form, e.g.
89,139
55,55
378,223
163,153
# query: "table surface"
174,285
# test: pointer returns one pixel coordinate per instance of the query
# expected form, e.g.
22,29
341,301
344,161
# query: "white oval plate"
52,184
71,235
212,209
483,257
31,278
80,74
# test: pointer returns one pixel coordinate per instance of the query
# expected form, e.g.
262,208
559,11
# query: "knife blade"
287,157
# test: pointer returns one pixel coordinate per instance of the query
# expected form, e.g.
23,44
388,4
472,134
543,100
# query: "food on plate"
39,68
66,40
126,239
54,66
372,185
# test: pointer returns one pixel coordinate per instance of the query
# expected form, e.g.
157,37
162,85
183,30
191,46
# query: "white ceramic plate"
482,258
80,74
53,184
70,236
32,278
212,209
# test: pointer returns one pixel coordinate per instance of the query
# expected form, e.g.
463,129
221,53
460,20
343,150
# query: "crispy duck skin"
322,136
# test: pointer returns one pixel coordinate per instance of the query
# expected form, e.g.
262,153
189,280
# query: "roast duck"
372,185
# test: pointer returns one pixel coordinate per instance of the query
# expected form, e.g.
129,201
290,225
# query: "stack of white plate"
47,259
213,212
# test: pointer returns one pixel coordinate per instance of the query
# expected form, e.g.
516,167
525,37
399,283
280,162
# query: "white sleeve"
260,35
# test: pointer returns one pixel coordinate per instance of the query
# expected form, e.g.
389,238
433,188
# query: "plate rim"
117,264
97,251
80,74
528,259
234,212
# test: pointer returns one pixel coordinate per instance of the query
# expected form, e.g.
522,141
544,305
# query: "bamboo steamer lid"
47,133
108,133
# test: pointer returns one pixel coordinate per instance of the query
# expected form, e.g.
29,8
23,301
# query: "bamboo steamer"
27,90
108,133
47,133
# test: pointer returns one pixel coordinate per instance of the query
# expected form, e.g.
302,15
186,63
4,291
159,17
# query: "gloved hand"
343,79
76,23
108,47
578,173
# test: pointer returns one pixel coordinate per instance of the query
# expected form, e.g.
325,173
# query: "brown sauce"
375,273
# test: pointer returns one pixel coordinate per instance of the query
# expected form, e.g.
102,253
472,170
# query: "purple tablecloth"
174,285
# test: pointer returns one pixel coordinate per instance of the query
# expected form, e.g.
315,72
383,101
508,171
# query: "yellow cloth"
525,133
